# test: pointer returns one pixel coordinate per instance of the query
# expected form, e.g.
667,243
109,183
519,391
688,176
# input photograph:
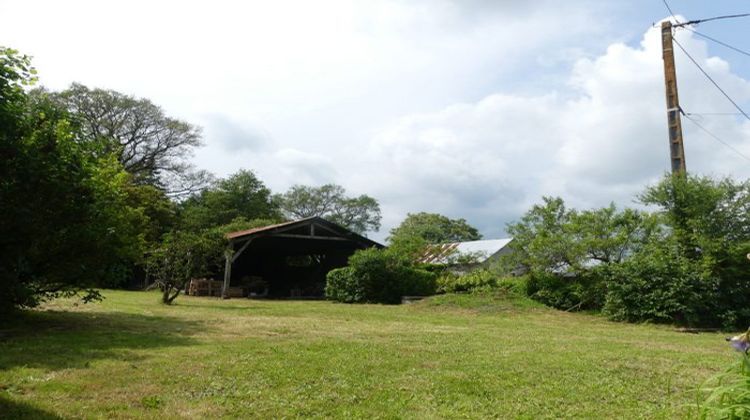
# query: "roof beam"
323,238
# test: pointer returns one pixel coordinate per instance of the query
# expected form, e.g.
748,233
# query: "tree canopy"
684,263
241,195
554,239
150,145
359,214
434,228
66,223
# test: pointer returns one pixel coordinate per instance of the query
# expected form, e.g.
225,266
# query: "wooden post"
674,122
230,256
227,275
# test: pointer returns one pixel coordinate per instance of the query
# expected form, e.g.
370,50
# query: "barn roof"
319,228
480,251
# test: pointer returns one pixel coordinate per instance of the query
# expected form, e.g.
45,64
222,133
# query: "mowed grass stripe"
450,356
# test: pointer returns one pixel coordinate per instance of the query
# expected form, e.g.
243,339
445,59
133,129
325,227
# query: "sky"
474,109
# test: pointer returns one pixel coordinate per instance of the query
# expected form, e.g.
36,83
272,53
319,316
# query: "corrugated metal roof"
480,251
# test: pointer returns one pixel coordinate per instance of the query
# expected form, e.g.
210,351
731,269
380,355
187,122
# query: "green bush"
452,283
571,292
378,276
661,285
418,282
342,286
517,285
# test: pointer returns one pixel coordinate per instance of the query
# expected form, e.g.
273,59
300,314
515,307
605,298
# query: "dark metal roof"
269,228
331,229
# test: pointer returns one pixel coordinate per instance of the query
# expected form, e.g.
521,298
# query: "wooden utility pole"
674,122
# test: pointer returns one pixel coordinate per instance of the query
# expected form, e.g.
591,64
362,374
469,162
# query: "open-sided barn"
288,259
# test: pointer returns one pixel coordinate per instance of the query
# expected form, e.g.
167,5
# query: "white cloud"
601,140
470,108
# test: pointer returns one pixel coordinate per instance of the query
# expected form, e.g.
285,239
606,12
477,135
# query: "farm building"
288,259
466,256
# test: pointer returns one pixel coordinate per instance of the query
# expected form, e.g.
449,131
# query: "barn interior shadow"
61,340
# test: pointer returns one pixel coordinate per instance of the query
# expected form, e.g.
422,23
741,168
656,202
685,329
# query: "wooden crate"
204,287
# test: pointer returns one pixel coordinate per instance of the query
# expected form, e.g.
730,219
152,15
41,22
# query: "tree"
568,254
150,145
706,215
434,228
709,224
541,240
359,214
553,239
159,210
65,222
181,257
242,195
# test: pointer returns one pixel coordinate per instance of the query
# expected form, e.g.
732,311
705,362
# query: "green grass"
450,356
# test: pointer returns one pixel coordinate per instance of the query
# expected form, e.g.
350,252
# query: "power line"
715,137
684,25
718,42
711,113
695,22
670,11
712,80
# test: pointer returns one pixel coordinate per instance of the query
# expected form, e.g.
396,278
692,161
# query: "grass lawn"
449,356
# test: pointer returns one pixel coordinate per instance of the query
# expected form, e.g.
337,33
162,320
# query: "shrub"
576,292
378,276
418,282
451,283
515,285
661,285
342,286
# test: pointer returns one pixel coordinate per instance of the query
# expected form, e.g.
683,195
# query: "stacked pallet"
205,287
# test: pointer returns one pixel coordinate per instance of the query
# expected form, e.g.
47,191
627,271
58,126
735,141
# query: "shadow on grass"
20,410
59,340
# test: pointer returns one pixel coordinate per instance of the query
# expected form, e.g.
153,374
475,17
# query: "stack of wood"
204,287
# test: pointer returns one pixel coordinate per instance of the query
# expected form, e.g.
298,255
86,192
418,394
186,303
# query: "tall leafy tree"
568,254
64,222
159,211
706,215
554,239
359,214
709,223
150,145
242,195
434,228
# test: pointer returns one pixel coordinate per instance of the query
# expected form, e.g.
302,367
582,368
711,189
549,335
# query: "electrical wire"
670,11
718,42
697,21
712,113
717,138
711,79
688,115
